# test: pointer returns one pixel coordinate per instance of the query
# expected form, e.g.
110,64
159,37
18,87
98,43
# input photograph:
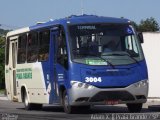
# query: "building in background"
151,48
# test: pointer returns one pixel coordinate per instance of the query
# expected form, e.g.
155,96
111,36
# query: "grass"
2,91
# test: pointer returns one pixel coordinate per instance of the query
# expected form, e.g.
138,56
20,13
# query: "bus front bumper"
90,95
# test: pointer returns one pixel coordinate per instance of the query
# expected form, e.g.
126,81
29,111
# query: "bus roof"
18,31
74,19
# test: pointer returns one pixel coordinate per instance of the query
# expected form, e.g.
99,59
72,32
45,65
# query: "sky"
22,13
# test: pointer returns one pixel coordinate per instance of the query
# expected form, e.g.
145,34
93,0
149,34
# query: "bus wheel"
134,107
28,106
67,108
31,106
87,107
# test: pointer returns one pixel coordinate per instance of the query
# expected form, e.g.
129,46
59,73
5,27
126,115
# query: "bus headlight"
141,83
78,84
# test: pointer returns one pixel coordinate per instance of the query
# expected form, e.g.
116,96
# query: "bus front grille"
112,95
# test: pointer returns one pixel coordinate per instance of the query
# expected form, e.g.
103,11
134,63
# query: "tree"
148,25
3,32
135,25
2,58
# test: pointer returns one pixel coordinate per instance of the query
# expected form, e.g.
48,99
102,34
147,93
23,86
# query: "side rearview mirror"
140,36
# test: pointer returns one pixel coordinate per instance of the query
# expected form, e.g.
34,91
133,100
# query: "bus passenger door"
60,61
52,62
12,67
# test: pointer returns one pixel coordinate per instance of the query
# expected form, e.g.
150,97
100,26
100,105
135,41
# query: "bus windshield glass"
101,44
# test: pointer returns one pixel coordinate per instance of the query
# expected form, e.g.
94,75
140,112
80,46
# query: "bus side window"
22,41
44,39
32,49
131,46
62,56
7,51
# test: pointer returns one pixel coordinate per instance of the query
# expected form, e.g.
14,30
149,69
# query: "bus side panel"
31,76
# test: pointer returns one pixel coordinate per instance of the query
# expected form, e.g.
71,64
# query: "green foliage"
2,91
135,25
148,25
2,58
3,32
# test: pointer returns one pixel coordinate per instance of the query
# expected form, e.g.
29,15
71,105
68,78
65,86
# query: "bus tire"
87,107
65,101
31,106
134,107
37,106
28,106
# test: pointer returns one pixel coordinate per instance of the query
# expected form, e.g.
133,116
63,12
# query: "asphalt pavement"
16,111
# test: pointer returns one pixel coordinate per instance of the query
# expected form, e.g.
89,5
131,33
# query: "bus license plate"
112,102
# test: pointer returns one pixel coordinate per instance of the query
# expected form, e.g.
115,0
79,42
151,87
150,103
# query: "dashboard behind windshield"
116,43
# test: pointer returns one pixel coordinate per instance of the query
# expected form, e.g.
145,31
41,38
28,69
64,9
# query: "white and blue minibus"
76,62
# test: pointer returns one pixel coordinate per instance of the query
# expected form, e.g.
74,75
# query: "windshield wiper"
127,54
132,57
104,60
100,58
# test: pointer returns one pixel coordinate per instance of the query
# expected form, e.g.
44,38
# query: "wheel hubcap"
26,100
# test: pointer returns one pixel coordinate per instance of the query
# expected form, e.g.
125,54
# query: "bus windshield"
101,44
